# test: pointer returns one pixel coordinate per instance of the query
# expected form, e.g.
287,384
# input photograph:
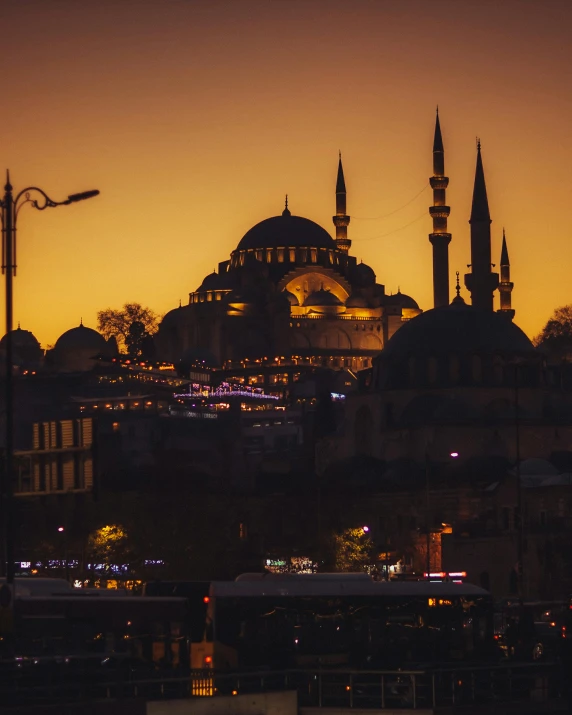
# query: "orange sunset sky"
194,118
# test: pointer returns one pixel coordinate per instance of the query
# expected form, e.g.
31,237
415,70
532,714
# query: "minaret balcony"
440,238
439,211
341,220
439,182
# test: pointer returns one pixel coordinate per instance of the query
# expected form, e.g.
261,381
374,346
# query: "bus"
280,621
51,619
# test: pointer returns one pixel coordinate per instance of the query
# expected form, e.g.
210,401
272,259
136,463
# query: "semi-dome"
211,282
286,230
322,298
171,319
457,328
363,275
401,300
81,338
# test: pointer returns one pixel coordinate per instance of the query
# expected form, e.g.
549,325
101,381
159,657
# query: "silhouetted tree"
135,337
556,336
118,323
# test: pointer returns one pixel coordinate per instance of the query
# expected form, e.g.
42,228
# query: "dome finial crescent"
286,211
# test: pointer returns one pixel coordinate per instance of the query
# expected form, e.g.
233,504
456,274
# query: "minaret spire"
439,238
481,281
505,285
341,219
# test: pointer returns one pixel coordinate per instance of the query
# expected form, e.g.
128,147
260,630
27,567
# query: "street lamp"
10,206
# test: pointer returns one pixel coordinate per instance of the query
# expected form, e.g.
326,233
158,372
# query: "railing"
412,689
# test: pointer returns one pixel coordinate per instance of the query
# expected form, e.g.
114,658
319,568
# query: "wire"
378,218
401,228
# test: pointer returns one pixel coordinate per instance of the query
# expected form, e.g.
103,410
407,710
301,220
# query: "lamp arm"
47,201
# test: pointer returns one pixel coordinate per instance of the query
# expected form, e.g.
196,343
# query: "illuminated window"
292,254
280,252
115,426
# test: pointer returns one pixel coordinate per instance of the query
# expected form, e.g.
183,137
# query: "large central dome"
285,231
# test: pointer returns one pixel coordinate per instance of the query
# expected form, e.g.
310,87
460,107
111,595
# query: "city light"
60,528
454,455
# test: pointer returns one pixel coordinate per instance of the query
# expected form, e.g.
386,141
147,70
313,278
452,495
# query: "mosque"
289,289
456,377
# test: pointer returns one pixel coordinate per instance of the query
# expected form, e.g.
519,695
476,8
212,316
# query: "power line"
379,218
401,228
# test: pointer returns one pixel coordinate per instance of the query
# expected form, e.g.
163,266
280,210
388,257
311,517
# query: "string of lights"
379,218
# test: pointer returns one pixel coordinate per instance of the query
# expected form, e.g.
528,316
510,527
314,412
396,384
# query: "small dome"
211,282
356,301
81,338
322,298
22,339
171,319
401,300
25,346
290,297
362,275
286,230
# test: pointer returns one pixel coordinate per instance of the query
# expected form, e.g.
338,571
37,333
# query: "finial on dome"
19,325
8,186
81,322
458,299
286,211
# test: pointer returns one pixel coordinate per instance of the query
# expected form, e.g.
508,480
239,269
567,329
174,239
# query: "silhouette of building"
460,379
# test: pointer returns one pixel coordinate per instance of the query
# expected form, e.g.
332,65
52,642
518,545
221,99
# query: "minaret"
440,239
481,281
341,220
505,285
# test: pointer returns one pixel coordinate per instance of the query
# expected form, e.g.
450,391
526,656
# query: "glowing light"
60,528
454,455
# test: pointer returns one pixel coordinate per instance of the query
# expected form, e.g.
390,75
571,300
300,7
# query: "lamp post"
10,206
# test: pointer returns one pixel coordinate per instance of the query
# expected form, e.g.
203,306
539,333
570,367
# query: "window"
242,531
